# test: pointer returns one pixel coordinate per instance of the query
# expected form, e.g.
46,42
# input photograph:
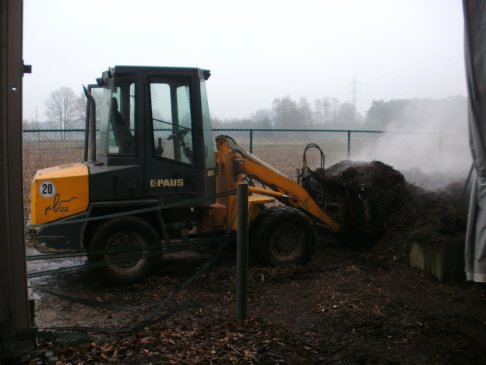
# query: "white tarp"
475,52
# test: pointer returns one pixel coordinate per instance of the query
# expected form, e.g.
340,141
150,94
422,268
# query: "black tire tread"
101,235
267,220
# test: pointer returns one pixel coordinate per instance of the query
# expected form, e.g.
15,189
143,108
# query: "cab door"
171,161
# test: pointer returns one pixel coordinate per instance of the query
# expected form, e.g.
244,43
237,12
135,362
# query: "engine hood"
59,192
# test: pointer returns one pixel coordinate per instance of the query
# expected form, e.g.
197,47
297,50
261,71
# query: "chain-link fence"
283,148
280,148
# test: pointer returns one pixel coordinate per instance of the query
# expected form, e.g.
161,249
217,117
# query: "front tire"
124,250
284,236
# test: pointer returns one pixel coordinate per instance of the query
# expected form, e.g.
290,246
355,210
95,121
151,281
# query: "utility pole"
16,335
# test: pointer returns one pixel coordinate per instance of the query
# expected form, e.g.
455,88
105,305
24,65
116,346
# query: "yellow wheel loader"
153,178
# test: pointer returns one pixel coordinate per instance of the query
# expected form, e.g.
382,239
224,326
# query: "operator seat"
123,136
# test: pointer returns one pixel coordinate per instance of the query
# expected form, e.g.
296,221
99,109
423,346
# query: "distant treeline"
66,110
330,113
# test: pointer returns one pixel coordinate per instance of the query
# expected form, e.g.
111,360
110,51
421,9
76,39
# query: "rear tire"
140,246
283,236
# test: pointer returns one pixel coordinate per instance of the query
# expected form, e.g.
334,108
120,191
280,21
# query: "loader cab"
155,137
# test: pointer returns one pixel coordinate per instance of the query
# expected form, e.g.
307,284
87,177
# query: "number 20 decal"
47,189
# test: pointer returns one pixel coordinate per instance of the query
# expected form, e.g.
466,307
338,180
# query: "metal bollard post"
349,144
242,252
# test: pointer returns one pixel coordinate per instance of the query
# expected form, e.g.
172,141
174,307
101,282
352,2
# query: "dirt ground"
349,305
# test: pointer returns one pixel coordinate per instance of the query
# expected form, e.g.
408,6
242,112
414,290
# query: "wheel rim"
127,247
287,243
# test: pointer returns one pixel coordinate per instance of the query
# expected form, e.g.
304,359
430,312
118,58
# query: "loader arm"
240,163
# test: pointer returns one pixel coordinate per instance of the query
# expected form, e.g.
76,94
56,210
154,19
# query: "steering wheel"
180,134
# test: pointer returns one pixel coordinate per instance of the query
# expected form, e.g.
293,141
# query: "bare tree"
347,116
80,112
325,110
306,114
286,113
61,107
289,114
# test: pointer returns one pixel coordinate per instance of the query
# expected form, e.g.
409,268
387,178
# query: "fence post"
349,144
242,252
251,140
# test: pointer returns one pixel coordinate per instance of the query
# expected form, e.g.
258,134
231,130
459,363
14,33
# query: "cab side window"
122,119
172,121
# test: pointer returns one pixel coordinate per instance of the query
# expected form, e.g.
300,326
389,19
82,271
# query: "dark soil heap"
432,217
385,183
410,212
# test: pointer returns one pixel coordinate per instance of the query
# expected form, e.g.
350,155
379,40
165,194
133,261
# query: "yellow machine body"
233,163
59,192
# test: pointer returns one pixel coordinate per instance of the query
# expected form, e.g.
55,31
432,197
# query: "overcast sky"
256,50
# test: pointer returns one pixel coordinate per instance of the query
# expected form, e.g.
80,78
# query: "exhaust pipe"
91,126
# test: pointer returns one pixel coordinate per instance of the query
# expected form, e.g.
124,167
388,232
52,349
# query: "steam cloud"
427,142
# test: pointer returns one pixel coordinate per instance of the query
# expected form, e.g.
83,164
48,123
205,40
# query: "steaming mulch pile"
350,305
411,214
385,183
